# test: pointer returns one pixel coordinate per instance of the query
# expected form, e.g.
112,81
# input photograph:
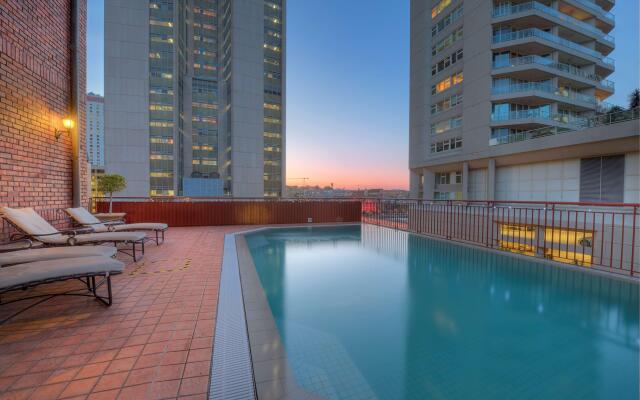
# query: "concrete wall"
247,95
552,181
632,178
126,108
35,95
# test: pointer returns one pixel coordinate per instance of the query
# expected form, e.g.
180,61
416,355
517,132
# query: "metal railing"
603,236
537,113
545,88
592,235
546,62
501,37
508,9
605,119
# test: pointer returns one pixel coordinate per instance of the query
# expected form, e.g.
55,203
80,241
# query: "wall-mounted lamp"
68,125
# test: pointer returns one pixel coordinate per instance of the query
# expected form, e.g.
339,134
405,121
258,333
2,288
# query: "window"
446,145
449,19
438,8
446,83
446,125
602,179
446,104
446,62
447,41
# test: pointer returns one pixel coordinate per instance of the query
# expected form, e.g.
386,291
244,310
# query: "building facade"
194,96
508,103
95,131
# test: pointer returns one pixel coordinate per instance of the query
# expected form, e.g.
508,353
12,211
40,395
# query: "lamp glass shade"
67,123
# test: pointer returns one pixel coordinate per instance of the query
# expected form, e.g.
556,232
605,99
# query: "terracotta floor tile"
21,394
150,360
49,392
121,365
91,370
164,389
175,357
199,355
79,387
30,380
105,355
139,376
106,395
200,368
63,375
169,372
134,392
196,385
111,381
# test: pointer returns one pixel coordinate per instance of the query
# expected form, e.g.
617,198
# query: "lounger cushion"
22,274
84,217
143,226
54,253
101,237
30,222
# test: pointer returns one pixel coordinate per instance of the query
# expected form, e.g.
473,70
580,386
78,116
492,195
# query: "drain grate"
231,370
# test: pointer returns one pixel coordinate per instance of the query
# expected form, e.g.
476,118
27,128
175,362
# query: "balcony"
547,91
594,9
535,33
567,69
536,116
606,119
571,23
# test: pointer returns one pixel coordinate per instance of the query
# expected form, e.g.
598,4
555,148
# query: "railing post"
633,238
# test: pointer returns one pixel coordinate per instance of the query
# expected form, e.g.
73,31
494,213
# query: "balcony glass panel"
507,9
500,37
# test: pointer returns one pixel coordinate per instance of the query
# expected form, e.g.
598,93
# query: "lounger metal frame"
72,233
90,282
108,224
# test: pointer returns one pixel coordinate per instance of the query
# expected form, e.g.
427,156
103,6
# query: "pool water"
373,313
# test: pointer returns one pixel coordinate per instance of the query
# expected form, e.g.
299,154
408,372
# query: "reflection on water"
376,313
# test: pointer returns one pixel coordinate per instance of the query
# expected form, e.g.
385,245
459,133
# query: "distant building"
195,91
95,131
506,99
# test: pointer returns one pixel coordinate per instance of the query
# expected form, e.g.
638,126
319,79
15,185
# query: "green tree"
634,99
110,183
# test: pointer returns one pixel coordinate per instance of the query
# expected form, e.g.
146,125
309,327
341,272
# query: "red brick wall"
35,94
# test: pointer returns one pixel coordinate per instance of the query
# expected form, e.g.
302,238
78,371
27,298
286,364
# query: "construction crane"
304,180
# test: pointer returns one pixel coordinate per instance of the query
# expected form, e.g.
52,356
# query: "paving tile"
79,387
200,368
111,381
197,385
106,395
121,365
91,370
63,375
49,392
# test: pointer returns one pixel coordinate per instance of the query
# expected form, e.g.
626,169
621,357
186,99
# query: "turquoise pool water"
368,312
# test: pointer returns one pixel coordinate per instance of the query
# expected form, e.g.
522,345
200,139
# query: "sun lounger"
34,227
28,275
84,218
54,253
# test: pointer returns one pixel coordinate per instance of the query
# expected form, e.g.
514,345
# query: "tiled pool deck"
155,342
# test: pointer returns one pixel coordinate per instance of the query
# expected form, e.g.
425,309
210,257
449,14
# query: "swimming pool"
367,312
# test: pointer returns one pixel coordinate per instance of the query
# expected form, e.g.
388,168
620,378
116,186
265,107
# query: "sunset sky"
348,86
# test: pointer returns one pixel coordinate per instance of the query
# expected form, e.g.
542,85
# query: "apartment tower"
195,96
504,100
95,131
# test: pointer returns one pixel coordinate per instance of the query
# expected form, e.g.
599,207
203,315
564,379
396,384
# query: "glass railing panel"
535,32
503,10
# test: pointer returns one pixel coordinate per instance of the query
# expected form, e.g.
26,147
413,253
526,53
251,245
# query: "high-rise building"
95,131
195,96
502,98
